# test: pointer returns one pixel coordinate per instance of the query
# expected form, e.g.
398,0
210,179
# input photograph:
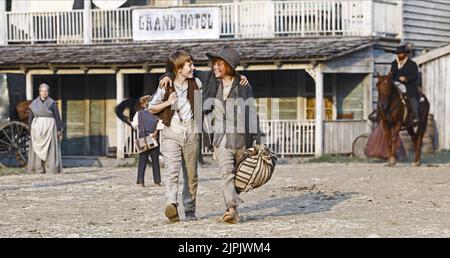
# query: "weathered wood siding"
387,18
426,23
339,135
383,60
357,62
436,85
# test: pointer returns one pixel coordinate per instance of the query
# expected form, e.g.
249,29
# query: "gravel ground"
301,200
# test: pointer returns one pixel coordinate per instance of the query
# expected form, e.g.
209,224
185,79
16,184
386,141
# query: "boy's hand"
244,80
172,98
164,82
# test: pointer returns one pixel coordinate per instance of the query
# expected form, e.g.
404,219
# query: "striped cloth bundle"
254,167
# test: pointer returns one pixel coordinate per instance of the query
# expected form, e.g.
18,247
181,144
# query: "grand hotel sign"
176,23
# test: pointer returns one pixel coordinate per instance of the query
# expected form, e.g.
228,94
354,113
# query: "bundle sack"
145,143
254,167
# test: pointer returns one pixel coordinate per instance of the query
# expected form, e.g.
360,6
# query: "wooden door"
97,116
73,93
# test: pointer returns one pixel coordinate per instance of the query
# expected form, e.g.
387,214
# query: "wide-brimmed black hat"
403,49
228,54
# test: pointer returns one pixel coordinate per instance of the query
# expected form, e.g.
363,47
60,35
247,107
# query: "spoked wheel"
14,144
358,146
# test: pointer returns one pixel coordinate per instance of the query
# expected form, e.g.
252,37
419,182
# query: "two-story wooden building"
298,55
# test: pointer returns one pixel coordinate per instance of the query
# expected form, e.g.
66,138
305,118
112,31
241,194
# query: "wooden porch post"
87,21
120,126
269,18
400,17
3,25
319,111
368,95
335,97
29,85
370,29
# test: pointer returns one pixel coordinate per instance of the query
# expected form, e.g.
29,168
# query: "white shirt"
182,105
400,64
227,89
135,122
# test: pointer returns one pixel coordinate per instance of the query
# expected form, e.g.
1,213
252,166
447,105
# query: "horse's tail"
120,109
424,104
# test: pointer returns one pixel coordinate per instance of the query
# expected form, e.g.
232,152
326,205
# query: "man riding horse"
405,73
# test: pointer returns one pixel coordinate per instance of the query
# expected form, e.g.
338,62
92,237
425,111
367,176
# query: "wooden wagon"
14,133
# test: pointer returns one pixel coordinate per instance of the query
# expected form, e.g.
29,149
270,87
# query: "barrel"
431,127
407,142
427,144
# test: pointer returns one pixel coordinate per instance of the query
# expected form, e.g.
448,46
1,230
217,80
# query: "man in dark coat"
406,71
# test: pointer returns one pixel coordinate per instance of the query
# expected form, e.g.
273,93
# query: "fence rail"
112,25
296,137
253,19
321,18
285,137
56,27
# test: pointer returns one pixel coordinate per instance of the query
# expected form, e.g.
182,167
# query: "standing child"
180,138
146,123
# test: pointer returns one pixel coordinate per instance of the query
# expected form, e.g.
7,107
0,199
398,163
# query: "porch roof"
154,54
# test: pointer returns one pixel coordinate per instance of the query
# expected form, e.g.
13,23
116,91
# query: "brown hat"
227,54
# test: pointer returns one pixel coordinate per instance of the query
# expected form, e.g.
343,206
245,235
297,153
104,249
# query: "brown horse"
396,117
22,110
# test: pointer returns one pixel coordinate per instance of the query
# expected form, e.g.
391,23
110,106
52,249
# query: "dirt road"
301,200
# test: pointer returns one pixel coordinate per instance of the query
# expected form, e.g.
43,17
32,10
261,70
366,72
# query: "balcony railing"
238,20
68,27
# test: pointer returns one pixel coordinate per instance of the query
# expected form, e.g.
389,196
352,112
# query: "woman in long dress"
46,127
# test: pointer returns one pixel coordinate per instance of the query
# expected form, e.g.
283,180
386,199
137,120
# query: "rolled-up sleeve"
157,98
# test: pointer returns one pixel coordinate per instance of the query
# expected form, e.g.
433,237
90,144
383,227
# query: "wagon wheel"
14,143
358,146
